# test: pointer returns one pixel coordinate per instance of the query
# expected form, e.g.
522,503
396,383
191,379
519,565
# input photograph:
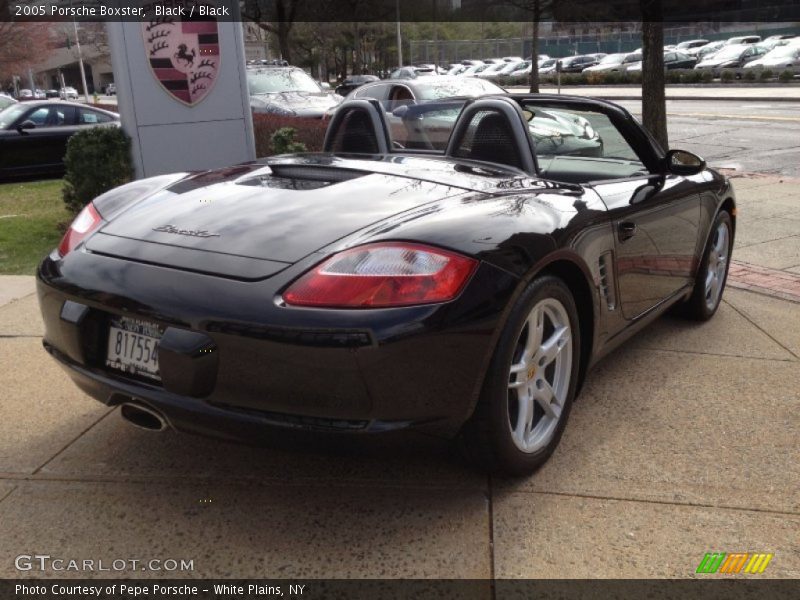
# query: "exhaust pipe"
143,417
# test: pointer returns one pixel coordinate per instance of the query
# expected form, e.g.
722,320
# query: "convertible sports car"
377,285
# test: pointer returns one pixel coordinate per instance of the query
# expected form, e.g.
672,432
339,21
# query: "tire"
705,300
516,381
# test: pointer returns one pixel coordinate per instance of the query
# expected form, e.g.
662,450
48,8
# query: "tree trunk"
534,78
283,41
654,106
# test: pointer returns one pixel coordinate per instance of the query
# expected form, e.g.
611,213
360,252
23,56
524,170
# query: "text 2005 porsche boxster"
384,284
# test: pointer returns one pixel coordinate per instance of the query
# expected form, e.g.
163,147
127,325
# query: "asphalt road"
752,137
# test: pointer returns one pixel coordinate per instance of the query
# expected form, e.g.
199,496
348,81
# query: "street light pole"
80,60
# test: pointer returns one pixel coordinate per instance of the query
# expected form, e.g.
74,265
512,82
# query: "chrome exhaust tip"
143,417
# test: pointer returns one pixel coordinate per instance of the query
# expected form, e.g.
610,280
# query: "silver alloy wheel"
539,377
717,265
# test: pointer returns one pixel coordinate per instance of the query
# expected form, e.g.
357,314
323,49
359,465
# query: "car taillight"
383,275
85,223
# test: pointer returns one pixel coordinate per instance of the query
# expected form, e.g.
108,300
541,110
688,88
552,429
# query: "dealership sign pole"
182,89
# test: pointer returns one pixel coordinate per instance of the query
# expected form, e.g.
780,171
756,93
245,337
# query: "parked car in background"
743,40
503,74
547,67
39,94
614,63
775,41
412,72
475,69
781,58
26,94
519,74
672,60
493,71
288,91
68,93
731,57
111,89
689,44
51,93
353,82
34,135
6,101
780,37
576,64
393,93
708,50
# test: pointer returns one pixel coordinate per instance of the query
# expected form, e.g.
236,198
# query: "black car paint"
39,151
378,369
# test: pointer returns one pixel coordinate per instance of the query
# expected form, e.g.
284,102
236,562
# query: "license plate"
133,347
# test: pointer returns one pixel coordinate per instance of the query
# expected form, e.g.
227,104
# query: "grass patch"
30,215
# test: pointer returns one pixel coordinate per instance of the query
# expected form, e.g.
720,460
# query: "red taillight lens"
87,221
383,275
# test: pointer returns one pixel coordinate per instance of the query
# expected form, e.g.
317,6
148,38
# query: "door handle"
626,230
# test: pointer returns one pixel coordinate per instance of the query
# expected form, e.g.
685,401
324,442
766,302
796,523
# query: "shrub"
283,141
673,76
112,107
706,76
633,77
766,74
613,78
97,160
727,76
596,78
308,132
786,76
749,75
692,76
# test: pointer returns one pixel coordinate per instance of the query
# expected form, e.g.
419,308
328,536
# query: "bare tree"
280,23
22,45
654,105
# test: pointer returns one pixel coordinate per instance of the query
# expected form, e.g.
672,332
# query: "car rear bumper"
230,377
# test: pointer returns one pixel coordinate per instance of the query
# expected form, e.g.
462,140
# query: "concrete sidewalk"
732,92
683,442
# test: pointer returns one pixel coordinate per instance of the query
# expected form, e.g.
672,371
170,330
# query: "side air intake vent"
606,281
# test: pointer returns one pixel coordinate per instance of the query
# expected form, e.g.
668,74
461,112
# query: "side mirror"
682,162
26,125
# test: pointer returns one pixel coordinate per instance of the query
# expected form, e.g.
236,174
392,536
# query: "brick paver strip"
772,282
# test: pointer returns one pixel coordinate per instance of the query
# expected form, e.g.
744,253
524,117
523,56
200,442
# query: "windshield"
281,80
565,139
613,59
456,87
730,52
11,114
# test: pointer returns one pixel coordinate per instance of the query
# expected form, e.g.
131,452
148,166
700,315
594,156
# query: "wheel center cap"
531,372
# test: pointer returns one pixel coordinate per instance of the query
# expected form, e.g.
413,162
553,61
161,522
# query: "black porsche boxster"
385,283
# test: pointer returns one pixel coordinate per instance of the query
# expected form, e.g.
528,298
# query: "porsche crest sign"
182,42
